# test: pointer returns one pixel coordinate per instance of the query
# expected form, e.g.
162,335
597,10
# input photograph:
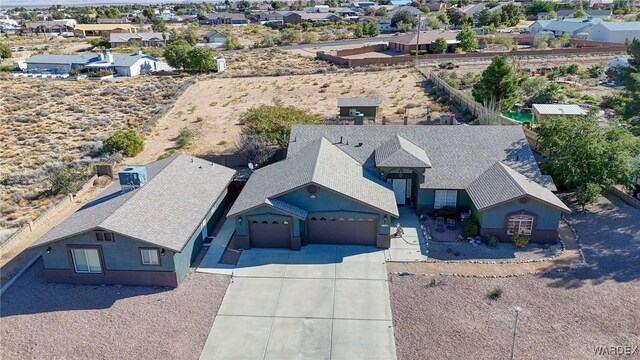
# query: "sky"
47,3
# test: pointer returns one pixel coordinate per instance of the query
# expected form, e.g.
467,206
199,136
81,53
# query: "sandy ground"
212,107
57,321
564,316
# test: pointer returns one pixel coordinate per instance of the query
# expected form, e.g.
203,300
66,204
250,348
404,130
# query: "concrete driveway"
322,302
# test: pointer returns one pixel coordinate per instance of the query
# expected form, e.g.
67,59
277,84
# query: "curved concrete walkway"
571,257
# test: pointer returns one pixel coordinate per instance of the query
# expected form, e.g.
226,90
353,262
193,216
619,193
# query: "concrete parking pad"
356,299
322,302
250,336
296,338
362,339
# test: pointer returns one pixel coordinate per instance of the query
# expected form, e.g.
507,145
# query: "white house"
615,32
572,27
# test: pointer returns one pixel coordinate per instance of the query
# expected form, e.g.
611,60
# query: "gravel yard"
504,252
55,321
565,315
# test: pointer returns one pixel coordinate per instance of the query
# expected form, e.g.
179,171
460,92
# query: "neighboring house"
145,230
54,26
297,17
571,27
214,38
139,39
615,32
473,10
384,25
224,18
362,4
270,17
591,13
348,107
435,7
103,29
344,11
540,112
343,184
121,20
127,64
413,10
406,43
121,64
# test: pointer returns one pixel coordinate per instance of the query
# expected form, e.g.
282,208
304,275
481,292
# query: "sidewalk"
571,257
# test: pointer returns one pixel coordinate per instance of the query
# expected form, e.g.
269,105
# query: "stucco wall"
547,217
121,254
427,198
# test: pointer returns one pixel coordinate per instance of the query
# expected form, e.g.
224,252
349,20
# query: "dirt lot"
564,316
213,106
57,321
53,123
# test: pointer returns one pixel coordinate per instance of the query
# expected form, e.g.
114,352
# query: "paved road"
322,302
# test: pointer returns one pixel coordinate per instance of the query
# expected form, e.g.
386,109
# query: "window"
445,198
86,261
520,224
104,236
150,257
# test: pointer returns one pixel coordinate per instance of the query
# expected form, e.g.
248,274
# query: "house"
384,25
53,27
435,7
59,64
214,38
120,64
121,20
297,17
406,43
83,30
146,39
413,10
591,13
571,27
343,184
615,32
362,4
541,112
222,18
127,64
344,11
145,230
367,106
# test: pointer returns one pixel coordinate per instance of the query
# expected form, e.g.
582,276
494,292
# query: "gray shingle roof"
358,102
166,211
62,59
400,152
142,36
458,154
322,163
500,183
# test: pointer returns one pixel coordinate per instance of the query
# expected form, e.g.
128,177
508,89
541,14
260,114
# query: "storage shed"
367,106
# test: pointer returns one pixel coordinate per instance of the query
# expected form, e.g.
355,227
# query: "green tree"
498,84
582,155
485,17
580,13
440,46
57,15
148,12
190,33
534,86
159,25
65,180
510,14
630,77
289,36
232,42
357,30
457,17
405,17
468,39
127,142
373,30
442,16
200,59
273,122
277,5
381,12
176,53
538,6
5,51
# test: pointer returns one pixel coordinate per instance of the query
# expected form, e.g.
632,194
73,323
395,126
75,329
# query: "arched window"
323,219
313,218
274,222
265,222
254,222
520,224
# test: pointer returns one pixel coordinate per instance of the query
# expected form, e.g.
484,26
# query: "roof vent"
132,177
312,189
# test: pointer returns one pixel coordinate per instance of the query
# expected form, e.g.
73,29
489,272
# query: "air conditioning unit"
132,177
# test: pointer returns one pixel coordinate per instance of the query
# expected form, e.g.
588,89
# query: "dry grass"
52,123
565,315
273,62
212,107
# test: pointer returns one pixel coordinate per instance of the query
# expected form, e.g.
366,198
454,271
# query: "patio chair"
451,224
440,224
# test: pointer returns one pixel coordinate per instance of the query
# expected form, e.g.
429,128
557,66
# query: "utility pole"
418,38
517,309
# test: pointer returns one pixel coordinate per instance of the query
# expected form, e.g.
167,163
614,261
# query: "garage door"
270,234
352,230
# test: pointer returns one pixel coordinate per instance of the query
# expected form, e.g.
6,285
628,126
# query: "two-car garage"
346,228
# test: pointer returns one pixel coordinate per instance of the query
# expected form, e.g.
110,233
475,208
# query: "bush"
184,138
421,52
5,51
495,293
470,228
156,52
65,181
492,241
100,73
7,68
73,73
127,142
448,212
520,240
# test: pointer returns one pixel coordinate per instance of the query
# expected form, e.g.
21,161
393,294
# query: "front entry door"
399,189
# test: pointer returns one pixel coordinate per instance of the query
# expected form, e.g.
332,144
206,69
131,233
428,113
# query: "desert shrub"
100,73
127,142
7,68
520,240
73,73
154,51
65,180
470,228
184,138
492,241
5,51
495,293
254,147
